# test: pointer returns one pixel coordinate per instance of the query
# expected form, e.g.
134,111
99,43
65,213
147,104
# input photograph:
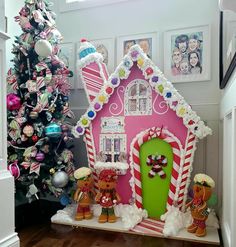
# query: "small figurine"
107,196
84,193
202,191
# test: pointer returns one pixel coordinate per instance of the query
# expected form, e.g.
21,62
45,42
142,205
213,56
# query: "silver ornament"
60,179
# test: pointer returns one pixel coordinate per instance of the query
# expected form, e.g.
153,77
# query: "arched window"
138,98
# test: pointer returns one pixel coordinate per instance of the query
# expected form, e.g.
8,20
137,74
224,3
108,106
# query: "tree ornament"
13,102
28,130
53,130
14,170
40,156
60,179
35,138
43,48
33,115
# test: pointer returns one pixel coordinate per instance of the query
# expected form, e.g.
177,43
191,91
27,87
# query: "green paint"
155,190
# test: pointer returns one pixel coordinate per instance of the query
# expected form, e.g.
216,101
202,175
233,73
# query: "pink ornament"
14,170
13,102
28,130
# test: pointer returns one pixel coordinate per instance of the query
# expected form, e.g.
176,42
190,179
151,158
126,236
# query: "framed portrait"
187,54
149,42
227,46
67,55
106,48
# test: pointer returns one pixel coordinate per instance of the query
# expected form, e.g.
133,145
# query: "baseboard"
225,230
10,241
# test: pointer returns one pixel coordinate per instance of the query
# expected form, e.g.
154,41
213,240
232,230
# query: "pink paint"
135,124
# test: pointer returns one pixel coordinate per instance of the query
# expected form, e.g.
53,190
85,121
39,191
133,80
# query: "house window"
112,145
138,98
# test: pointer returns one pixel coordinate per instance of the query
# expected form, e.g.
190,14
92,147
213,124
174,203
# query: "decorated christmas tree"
39,138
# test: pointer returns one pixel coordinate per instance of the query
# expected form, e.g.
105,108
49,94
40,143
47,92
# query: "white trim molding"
66,6
10,241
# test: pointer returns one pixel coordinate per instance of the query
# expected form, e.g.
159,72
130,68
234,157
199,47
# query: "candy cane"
91,154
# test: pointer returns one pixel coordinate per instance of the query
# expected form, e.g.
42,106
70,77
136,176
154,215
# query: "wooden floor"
53,235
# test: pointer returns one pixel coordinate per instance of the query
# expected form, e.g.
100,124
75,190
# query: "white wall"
228,116
2,14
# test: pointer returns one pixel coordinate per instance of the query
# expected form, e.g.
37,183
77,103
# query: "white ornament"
60,179
43,48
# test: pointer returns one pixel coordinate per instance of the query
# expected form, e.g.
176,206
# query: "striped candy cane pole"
190,147
135,161
91,154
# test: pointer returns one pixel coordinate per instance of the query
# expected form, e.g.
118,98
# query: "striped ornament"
93,77
91,154
190,147
150,227
143,137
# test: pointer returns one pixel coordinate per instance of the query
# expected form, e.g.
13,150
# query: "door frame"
178,163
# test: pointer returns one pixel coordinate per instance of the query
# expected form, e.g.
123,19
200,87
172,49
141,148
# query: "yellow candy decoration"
160,88
182,111
140,62
102,98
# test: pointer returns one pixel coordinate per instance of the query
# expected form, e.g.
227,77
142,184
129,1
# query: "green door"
155,190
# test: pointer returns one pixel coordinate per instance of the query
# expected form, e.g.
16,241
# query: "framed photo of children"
187,54
67,55
147,41
106,48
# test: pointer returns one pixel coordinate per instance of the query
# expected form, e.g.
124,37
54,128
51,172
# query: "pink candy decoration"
14,170
13,102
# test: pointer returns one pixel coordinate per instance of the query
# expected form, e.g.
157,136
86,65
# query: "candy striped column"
190,147
135,161
91,154
93,76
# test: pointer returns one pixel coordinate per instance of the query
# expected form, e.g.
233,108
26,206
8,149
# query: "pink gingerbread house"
138,124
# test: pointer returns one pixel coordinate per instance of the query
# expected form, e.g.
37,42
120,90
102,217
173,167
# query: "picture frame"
227,46
106,47
67,55
148,41
187,54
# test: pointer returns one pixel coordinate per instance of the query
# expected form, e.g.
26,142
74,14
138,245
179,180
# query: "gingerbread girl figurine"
202,191
84,193
107,196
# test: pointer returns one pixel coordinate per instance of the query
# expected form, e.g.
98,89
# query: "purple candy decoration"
114,81
155,79
79,129
134,54
97,106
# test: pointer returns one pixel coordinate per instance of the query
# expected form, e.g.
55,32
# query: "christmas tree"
39,138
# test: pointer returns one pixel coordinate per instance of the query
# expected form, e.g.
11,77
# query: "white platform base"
62,217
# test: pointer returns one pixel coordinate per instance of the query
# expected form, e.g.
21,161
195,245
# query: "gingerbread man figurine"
202,191
107,196
84,193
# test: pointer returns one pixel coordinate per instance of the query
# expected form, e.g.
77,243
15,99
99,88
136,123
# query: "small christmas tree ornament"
60,179
13,102
43,48
28,130
40,156
14,170
53,130
84,193
202,190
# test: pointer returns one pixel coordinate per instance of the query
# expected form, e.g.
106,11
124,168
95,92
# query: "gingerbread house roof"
158,83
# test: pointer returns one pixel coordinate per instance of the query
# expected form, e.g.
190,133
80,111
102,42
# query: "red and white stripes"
190,147
149,226
93,76
135,161
91,154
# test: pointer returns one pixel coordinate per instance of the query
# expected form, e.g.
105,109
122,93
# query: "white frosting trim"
183,109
